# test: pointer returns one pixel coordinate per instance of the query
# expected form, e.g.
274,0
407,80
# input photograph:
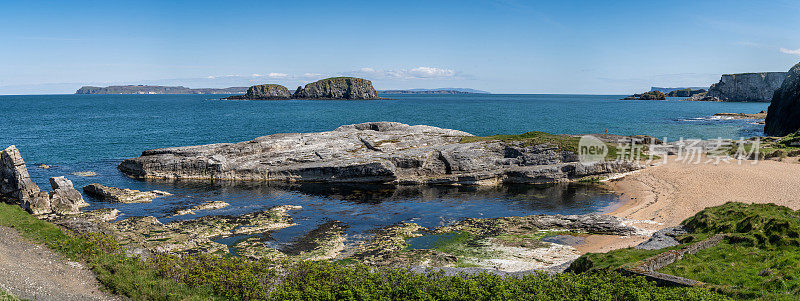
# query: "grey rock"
783,115
265,92
337,88
15,182
38,204
375,152
64,189
746,86
118,195
663,238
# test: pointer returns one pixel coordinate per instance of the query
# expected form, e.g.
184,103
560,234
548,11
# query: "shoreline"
664,195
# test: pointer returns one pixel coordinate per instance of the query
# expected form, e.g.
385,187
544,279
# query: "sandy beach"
666,194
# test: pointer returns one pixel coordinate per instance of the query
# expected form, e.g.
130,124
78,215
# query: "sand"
666,194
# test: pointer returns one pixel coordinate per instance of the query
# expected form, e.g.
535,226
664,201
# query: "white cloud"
413,73
790,51
426,72
277,75
256,75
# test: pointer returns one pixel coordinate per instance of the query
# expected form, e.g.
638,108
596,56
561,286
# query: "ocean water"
75,133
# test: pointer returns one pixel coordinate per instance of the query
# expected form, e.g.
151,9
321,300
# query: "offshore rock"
757,87
337,88
376,152
783,115
118,195
264,92
15,182
65,199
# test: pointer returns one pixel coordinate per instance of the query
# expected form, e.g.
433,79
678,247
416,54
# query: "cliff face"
337,88
260,92
747,86
783,116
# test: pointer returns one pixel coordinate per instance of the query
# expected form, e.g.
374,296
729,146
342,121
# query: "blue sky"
503,46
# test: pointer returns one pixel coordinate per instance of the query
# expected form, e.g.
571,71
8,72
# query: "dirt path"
33,272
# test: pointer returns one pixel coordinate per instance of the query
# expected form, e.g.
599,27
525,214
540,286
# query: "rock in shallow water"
118,195
375,152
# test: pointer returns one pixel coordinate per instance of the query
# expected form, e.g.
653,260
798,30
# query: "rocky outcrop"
264,92
337,88
652,95
746,86
65,199
685,92
783,115
16,184
118,195
376,152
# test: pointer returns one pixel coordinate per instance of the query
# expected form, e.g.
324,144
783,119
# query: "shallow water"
75,133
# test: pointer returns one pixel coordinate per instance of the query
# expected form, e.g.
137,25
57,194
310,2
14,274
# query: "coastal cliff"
337,88
378,152
264,92
783,115
756,87
145,89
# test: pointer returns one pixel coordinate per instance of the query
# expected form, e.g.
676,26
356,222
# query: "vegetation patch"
758,259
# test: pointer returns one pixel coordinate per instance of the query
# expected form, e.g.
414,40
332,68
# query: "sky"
502,46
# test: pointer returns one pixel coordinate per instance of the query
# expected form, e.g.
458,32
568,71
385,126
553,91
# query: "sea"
94,133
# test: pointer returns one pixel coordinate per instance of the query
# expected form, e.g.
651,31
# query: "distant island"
145,89
435,91
667,90
345,88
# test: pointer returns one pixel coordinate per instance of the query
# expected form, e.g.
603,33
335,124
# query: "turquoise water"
76,133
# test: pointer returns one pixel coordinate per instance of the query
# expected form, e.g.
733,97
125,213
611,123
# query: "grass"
760,259
564,143
6,296
214,277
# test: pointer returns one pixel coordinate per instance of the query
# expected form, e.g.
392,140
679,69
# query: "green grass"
744,272
214,277
6,296
760,259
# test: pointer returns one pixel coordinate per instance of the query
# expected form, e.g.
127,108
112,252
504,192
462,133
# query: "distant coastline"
435,91
146,89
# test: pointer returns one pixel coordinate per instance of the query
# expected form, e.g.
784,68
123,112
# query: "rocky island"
264,92
378,152
652,95
345,88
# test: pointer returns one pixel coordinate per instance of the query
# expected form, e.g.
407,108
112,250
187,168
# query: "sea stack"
783,115
756,87
337,88
264,92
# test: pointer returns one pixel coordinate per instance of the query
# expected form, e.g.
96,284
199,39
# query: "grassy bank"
214,277
760,258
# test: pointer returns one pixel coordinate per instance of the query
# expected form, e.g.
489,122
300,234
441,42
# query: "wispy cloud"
790,51
421,72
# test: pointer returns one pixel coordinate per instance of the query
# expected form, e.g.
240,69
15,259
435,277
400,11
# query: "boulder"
376,152
38,204
337,88
783,115
15,182
746,86
264,92
63,187
118,195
